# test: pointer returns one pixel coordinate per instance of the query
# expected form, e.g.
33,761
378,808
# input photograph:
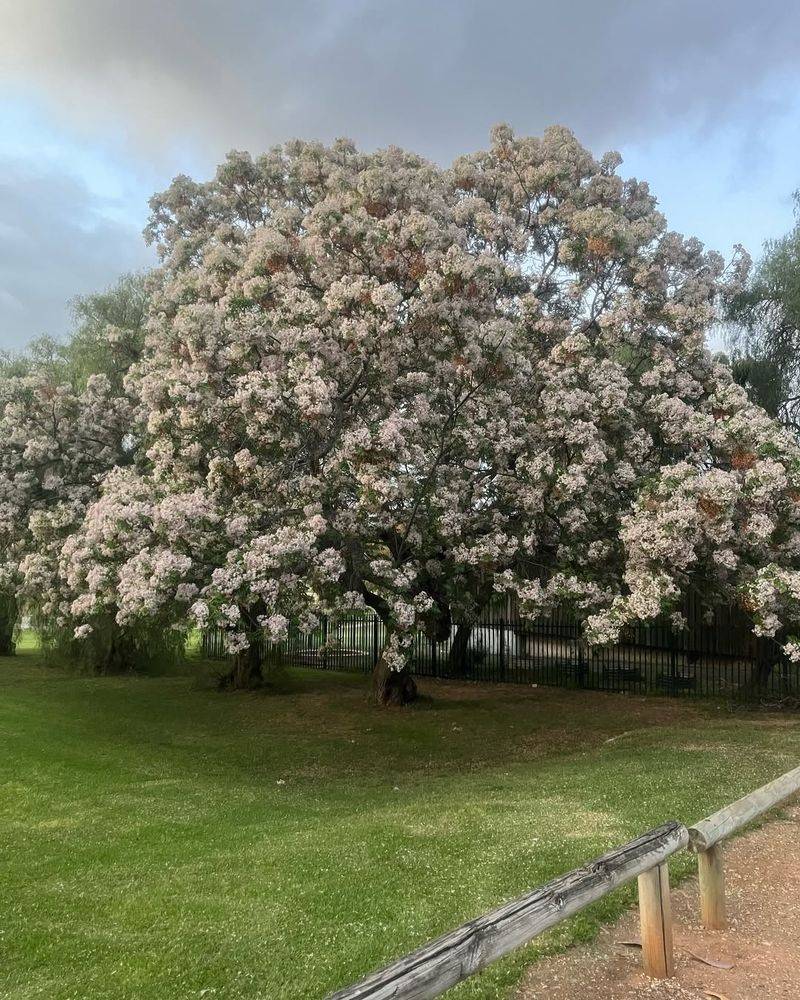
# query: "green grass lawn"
164,841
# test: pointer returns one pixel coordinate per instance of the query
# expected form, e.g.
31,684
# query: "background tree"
108,331
765,339
65,421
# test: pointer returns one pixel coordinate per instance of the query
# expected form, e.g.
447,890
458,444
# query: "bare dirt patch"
762,942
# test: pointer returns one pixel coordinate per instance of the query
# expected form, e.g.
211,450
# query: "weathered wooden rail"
441,964
437,966
706,836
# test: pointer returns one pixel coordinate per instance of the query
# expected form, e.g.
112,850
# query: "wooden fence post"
712,888
706,836
655,915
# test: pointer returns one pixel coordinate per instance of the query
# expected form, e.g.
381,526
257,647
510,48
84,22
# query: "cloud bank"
431,76
174,84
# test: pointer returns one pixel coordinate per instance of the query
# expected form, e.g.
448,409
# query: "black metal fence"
723,657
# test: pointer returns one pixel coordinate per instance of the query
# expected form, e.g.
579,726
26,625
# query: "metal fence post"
503,648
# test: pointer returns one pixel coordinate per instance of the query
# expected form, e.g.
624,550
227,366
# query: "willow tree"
372,381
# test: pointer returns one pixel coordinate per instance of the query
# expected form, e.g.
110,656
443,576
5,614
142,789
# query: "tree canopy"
368,380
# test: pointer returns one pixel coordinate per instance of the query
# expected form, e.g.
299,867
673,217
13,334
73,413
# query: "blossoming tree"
371,381
65,422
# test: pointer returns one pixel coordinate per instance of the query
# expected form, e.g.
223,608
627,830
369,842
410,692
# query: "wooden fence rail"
705,839
436,967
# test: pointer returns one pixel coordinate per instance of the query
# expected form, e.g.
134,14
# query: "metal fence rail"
718,659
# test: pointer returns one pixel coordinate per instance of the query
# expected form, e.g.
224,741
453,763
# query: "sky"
103,102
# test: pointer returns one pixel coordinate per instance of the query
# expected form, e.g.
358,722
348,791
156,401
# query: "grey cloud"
429,75
185,80
55,243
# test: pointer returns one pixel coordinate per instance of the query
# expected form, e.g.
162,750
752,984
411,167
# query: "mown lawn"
161,840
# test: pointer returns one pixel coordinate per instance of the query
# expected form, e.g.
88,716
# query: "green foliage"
109,330
111,650
161,841
107,337
765,335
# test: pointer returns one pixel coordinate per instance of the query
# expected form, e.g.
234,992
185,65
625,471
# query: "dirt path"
763,941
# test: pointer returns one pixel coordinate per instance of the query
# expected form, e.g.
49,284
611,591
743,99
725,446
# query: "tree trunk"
768,655
245,673
457,658
8,619
759,677
392,687
121,654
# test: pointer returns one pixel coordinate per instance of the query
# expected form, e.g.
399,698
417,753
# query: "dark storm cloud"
429,75
53,246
